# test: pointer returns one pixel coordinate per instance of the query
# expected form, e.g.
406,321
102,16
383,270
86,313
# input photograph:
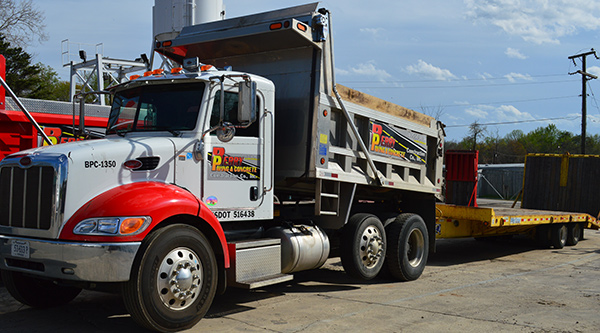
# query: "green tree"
514,146
30,80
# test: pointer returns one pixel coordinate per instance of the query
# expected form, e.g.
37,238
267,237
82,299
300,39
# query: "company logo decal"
57,135
211,201
224,166
397,143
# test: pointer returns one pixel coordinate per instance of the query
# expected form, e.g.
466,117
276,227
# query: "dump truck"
241,165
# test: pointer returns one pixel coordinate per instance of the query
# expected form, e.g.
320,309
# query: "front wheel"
408,247
173,280
363,246
36,292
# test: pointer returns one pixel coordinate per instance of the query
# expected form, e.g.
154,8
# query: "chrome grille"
27,197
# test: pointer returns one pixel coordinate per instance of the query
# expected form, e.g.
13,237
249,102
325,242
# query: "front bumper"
93,262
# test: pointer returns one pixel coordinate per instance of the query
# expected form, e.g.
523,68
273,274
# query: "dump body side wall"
281,46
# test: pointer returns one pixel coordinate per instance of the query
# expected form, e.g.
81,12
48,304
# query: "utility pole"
584,78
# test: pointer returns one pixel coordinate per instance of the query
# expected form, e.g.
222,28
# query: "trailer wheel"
35,292
574,233
558,235
362,247
408,247
173,280
542,235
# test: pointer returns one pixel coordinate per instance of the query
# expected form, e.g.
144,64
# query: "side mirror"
226,132
199,150
247,102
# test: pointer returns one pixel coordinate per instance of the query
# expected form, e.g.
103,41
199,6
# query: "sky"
501,63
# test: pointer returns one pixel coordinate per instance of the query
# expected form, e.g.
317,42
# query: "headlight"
117,226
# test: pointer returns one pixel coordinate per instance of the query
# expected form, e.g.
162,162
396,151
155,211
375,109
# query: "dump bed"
317,121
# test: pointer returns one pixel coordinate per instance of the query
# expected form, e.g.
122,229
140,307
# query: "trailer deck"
496,218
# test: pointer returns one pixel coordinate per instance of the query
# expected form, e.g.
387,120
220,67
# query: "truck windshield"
172,108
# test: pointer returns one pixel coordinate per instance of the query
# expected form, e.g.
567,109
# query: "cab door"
233,172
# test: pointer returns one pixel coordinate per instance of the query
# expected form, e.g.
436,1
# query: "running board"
267,281
255,264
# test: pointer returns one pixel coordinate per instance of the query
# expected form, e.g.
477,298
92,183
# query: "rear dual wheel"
574,233
363,246
558,235
408,247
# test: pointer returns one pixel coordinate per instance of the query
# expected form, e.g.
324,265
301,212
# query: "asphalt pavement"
468,286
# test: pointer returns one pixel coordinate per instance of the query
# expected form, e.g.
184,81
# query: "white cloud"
511,113
429,71
503,113
513,77
462,103
594,70
375,32
514,53
340,71
366,69
537,21
485,76
476,112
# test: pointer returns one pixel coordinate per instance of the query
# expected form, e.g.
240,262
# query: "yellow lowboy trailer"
550,228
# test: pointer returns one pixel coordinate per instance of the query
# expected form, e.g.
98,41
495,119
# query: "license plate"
19,249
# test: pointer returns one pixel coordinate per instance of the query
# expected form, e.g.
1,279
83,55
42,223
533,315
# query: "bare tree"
433,111
475,129
21,22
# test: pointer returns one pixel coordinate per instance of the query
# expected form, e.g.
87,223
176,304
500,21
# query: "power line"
517,122
451,80
593,97
584,78
463,86
490,103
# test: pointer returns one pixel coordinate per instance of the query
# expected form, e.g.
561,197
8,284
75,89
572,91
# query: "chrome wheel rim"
179,278
416,247
371,246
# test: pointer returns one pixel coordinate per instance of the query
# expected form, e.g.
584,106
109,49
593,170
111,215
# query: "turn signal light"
131,225
134,77
113,226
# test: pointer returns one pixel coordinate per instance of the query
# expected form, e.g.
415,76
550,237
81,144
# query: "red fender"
157,200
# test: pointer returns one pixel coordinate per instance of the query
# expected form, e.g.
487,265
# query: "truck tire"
574,233
362,246
35,292
408,247
542,236
558,235
173,280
